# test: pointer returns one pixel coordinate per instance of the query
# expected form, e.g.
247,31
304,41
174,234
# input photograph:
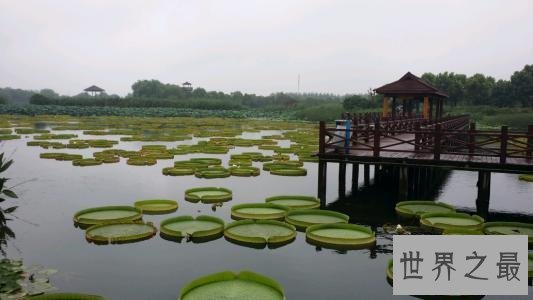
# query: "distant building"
93,90
187,86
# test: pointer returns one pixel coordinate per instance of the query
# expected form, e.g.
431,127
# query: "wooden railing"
451,135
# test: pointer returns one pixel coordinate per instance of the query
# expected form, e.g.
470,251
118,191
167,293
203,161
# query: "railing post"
503,144
472,138
417,136
376,138
529,141
322,137
437,141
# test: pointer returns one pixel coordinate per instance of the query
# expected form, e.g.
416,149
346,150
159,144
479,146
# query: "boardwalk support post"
322,182
355,177
437,142
503,144
342,179
472,138
403,184
483,193
529,142
376,138
366,174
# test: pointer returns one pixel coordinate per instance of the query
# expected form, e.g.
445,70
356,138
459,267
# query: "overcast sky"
257,46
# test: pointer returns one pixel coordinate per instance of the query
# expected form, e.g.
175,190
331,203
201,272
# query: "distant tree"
502,94
199,93
3,100
49,93
16,96
39,99
451,83
522,83
356,101
478,89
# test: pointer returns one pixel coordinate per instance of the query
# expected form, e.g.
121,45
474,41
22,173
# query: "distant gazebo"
411,91
93,90
187,86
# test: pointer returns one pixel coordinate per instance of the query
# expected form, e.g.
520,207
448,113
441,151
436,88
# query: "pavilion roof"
94,88
410,84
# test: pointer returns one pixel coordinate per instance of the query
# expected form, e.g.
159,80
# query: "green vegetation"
118,233
510,228
303,218
439,221
5,212
156,206
414,209
389,271
526,177
244,171
341,235
87,162
228,285
258,211
260,233
461,231
208,195
186,226
67,296
107,214
295,201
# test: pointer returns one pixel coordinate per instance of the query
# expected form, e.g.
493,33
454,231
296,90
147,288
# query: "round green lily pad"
259,233
141,161
461,231
437,222
87,162
66,296
156,206
341,235
526,177
303,218
244,171
208,195
389,271
207,161
295,201
107,214
228,285
213,172
187,226
124,232
289,171
258,211
509,228
413,209
178,171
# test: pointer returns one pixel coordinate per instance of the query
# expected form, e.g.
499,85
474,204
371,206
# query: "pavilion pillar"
393,108
431,109
385,109
426,107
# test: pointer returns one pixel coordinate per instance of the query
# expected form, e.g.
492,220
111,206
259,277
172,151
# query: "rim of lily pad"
312,202
402,208
191,197
289,171
86,162
178,171
211,161
427,225
149,232
260,242
230,276
303,225
162,206
212,172
239,215
389,271
366,241
66,296
530,265
198,235
489,228
462,231
80,221
245,171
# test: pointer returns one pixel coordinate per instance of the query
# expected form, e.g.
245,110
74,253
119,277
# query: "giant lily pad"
295,201
303,218
259,233
212,172
413,209
207,161
125,232
341,235
228,285
389,271
258,211
244,171
67,296
437,222
526,177
107,214
186,226
510,228
462,231
208,195
156,206
289,171
530,265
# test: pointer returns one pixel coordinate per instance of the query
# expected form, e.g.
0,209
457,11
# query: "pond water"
157,269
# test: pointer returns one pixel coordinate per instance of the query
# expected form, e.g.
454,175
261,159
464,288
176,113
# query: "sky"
259,47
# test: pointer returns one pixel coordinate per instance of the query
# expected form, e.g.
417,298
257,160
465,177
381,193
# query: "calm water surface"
157,268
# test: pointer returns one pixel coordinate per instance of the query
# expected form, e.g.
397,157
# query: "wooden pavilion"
411,91
93,90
